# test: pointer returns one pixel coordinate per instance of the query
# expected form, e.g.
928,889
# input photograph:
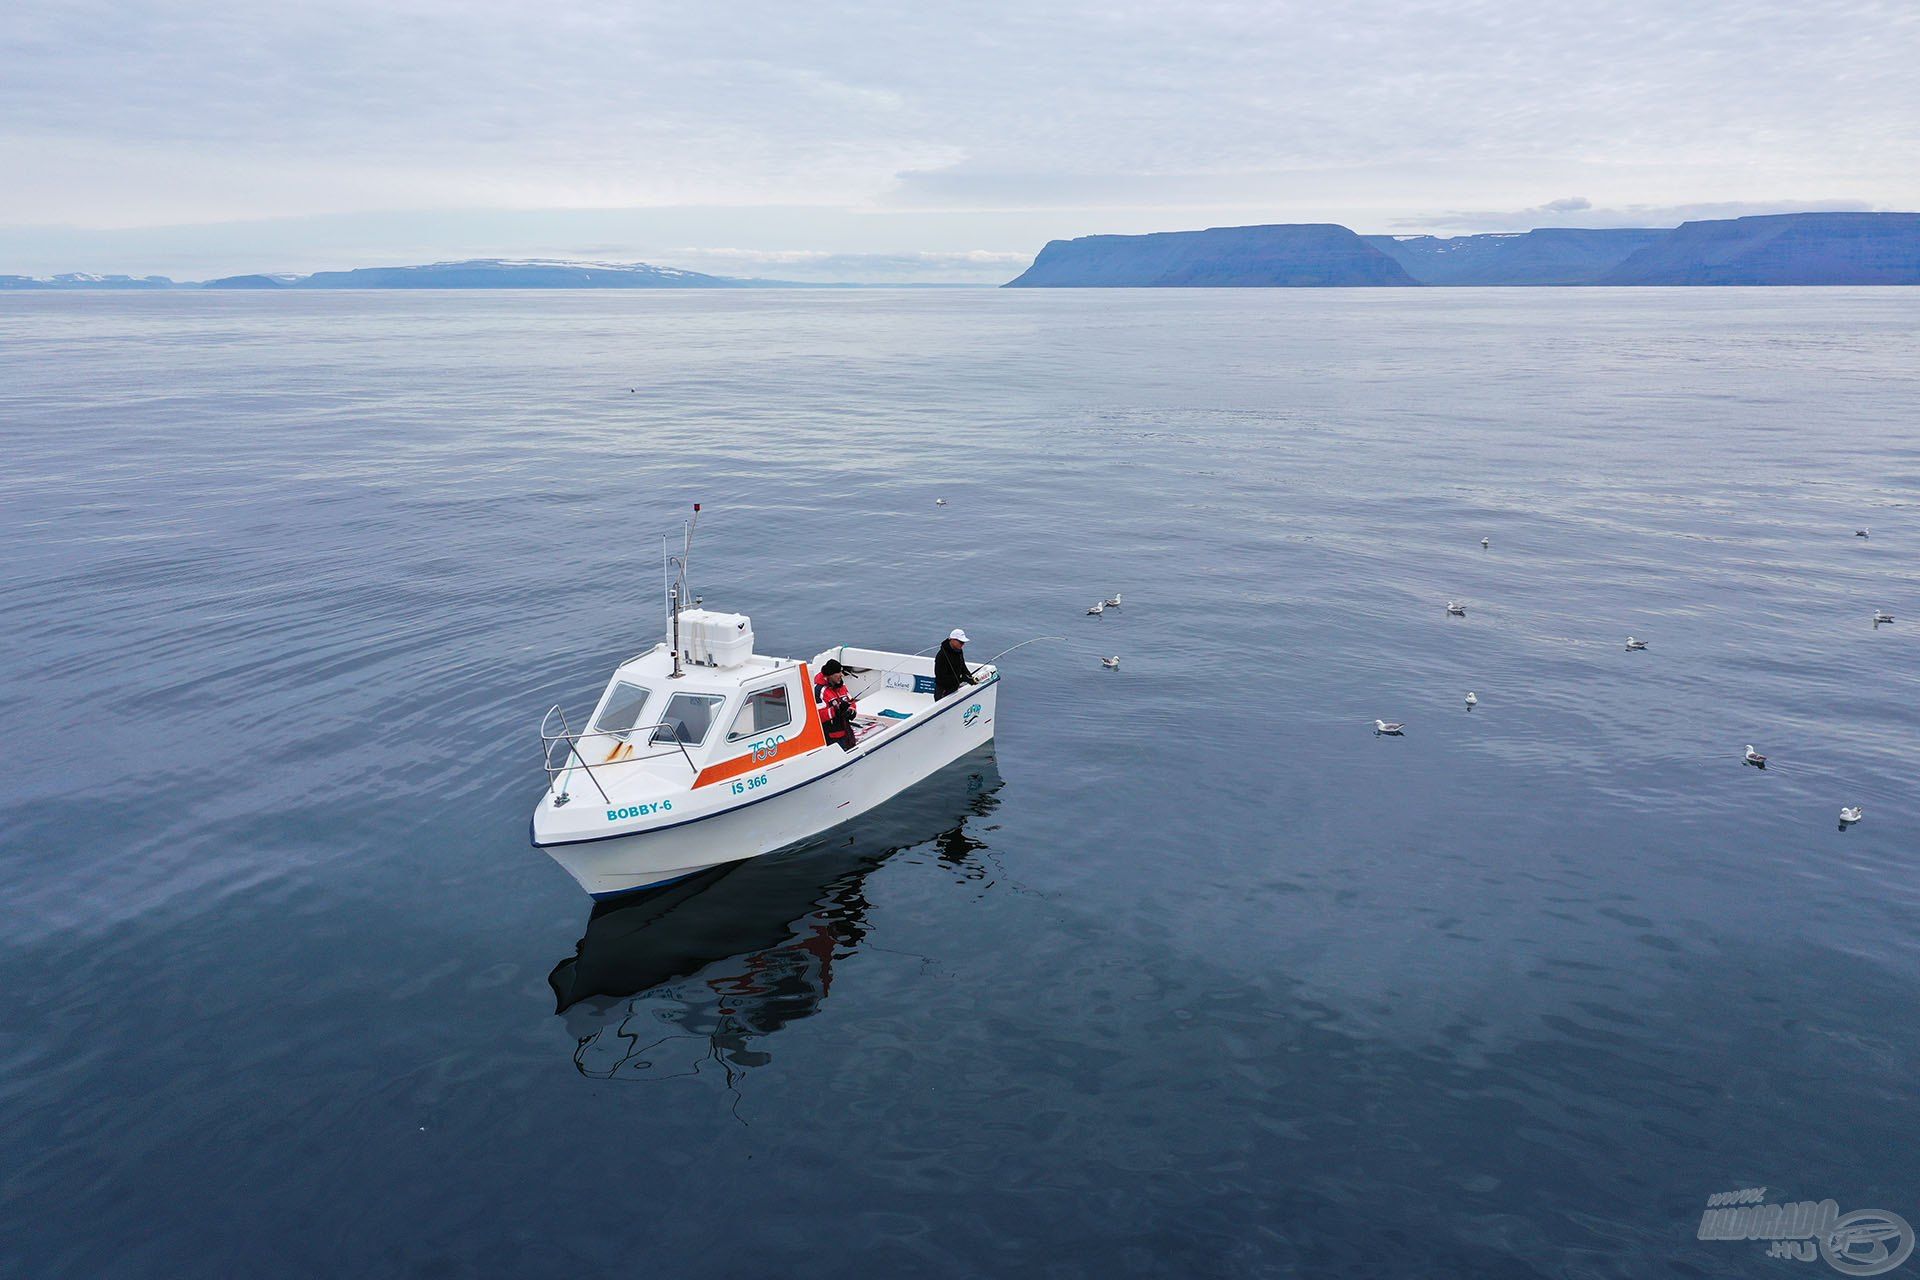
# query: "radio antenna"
675,569
686,550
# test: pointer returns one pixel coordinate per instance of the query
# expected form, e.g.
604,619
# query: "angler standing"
836,703
950,669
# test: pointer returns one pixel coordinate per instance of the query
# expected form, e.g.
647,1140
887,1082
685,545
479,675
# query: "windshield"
689,716
764,711
621,710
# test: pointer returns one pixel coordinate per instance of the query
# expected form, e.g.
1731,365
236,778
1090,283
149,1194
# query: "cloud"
1376,113
975,186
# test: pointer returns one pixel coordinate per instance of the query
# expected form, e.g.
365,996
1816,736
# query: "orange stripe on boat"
810,737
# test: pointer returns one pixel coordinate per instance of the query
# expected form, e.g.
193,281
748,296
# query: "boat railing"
560,750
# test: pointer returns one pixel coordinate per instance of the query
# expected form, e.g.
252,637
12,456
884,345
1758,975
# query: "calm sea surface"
1194,976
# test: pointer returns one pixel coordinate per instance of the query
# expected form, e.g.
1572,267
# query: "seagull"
1754,758
1392,728
1485,543
1859,533
1112,601
1111,664
1880,616
1099,607
939,502
1849,816
1635,645
1456,609
1473,699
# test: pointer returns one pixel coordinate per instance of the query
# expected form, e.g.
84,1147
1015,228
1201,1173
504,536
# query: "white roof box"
712,639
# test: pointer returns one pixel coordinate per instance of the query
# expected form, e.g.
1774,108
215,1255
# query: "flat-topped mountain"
1779,249
1782,248
84,280
1291,255
506,273
1547,256
472,273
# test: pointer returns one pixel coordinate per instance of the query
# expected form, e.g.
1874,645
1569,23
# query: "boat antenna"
686,550
675,569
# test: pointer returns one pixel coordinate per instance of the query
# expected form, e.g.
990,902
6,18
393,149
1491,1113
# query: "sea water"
1193,975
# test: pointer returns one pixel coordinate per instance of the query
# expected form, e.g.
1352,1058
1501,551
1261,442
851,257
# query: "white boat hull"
841,786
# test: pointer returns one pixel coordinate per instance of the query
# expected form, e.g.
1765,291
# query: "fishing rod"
1010,648
970,669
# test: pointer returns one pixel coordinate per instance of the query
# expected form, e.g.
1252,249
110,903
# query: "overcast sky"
912,140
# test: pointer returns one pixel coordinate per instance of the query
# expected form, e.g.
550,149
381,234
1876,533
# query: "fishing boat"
702,752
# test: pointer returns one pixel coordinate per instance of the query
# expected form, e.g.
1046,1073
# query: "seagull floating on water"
1754,758
1860,533
1111,664
1485,543
1456,609
1112,601
1473,699
1635,645
1850,815
1099,607
939,502
1392,728
1880,616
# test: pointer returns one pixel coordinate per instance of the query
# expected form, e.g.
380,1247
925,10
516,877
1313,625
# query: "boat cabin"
721,710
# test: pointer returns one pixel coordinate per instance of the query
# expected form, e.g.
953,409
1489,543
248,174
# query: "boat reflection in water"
691,974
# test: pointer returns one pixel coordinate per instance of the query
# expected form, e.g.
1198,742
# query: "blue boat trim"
642,888
621,835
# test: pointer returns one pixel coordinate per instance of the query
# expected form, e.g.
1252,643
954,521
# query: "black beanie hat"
831,667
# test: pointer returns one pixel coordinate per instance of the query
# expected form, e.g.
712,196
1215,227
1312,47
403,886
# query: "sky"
913,142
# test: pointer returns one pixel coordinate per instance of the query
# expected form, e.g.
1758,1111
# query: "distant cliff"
85,280
1548,256
1297,255
498,273
473,273
248,282
1786,248
1782,249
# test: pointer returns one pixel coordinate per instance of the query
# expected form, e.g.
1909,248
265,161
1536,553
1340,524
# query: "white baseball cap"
959,635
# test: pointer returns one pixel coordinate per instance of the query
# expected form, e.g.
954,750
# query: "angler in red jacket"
837,707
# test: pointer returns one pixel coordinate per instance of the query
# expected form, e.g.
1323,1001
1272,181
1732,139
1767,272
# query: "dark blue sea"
1193,976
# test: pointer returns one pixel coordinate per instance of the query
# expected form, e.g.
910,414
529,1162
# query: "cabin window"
621,711
764,711
689,716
